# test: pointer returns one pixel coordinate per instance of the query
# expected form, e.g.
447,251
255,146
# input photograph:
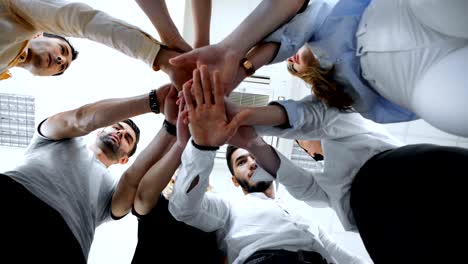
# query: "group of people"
366,61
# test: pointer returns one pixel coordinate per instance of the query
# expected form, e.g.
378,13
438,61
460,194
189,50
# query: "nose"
59,60
252,164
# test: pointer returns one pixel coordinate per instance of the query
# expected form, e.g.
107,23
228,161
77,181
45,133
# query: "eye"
129,139
291,68
241,162
62,49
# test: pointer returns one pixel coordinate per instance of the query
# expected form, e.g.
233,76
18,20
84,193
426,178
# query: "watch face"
248,66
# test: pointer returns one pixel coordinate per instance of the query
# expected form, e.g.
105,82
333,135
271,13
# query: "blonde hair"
324,86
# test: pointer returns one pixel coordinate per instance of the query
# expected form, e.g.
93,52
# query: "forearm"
262,54
270,115
90,117
266,17
201,10
124,196
156,179
189,202
157,12
265,155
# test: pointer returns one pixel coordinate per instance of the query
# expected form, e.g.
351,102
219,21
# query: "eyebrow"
131,137
242,157
66,53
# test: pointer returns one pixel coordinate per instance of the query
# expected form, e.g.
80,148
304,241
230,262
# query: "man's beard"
260,186
109,147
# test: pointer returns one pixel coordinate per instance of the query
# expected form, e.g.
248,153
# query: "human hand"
178,74
183,133
245,137
178,44
216,57
208,122
170,109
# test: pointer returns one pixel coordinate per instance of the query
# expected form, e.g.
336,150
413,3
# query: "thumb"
236,122
189,57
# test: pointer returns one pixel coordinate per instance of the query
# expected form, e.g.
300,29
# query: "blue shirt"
330,31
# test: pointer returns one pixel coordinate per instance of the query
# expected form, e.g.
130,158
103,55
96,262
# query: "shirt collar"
21,57
259,195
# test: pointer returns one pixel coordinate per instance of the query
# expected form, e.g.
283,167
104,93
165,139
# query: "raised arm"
126,191
209,129
157,12
201,10
226,55
159,175
85,119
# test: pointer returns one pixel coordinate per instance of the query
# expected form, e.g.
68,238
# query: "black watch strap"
170,128
153,101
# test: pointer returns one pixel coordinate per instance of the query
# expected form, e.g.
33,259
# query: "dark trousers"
280,256
33,232
409,204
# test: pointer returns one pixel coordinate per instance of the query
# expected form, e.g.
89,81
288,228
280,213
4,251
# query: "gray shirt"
67,176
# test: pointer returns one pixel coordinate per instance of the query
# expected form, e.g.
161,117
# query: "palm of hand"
209,126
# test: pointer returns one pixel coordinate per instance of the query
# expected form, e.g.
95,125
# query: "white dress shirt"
348,141
21,20
252,223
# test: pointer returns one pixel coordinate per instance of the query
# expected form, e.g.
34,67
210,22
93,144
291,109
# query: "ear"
234,181
38,35
123,160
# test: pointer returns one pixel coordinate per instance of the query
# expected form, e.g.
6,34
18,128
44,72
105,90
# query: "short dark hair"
137,134
74,52
230,150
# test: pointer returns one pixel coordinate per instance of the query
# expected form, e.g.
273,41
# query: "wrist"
247,67
204,147
171,129
162,59
154,102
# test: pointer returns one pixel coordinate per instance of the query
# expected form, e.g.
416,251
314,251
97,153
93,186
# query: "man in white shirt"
22,45
256,228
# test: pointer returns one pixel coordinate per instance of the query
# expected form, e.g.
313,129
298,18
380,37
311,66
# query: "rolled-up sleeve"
308,119
189,202
82,21
298,30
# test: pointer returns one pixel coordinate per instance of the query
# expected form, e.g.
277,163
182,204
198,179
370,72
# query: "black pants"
279,256
409,205
31,231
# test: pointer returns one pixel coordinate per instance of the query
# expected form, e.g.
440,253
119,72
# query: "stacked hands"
202,111
213,57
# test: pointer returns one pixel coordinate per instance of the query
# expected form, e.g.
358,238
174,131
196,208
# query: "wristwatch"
248,66
153,102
